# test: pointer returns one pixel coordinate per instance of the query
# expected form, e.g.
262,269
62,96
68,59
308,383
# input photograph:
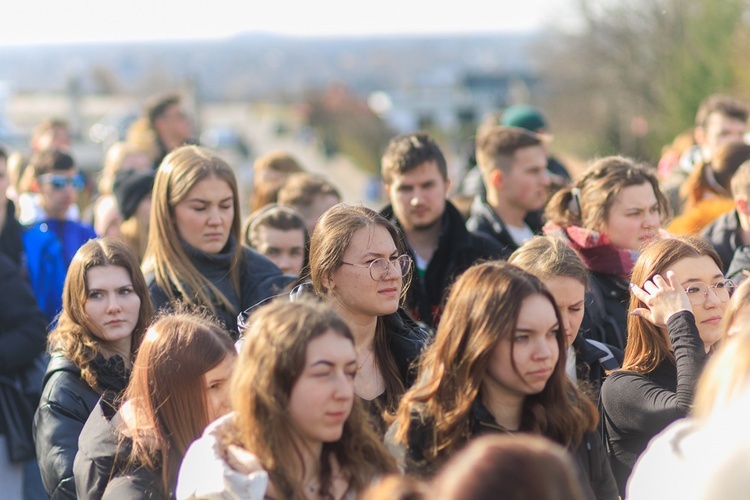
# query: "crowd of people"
560,336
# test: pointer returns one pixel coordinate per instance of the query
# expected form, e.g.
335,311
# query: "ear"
497,179
328,282
34,186
740,202
447,187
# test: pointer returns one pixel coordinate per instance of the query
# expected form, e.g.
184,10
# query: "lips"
713,320
542,372
115,322
388,291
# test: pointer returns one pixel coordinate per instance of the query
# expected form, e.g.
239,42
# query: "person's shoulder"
257,262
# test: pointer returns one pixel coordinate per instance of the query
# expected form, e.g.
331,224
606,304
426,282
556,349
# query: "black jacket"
457,250
259,279
67,401
605,317
723,235
639,406
22,325
590,457
485,221
102,463
740,263
11,242
593,360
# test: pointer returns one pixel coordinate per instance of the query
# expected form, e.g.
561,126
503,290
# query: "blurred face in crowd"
204,217
216,387
174,125
708,308
112,305
286,249
351,284
418,196
719,130
312,213
526,184
54,138
136,161
59,190
322,397
569,294
633,218
533,348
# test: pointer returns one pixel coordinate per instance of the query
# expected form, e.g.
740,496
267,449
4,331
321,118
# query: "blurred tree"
632,77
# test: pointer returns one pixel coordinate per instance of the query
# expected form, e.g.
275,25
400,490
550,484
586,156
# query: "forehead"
718,120
330,346
537,313
424,172
640,195
210,188
701,268
281,238
106,276
530,156
372,239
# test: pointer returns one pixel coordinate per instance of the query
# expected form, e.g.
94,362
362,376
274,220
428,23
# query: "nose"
652,220
214,218
712,298
544,348
566,324
344,386
546,179
113,304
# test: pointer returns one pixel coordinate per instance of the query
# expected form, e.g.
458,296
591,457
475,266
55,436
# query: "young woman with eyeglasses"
678,300
359,266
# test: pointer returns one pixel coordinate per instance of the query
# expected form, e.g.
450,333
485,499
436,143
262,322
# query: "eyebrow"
378,254
697,280
325,362
532,330
200,200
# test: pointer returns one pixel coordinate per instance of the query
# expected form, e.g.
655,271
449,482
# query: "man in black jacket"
513,163
415,174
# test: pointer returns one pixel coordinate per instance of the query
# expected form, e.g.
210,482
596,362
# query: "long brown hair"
587,202
331,238
647,346
271,362
483,308
75,335
167,392
173,270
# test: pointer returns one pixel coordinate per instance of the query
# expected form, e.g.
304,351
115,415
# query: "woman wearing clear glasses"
358,264
678,300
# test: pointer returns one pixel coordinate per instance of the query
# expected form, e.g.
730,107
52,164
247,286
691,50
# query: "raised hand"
662,298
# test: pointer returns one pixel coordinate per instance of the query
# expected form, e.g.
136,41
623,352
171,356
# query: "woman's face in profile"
634,218
216,388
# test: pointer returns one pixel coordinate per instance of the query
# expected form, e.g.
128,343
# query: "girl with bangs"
297,431
194,253
498,366
180,383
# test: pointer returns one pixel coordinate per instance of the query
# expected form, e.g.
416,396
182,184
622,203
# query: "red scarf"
595,250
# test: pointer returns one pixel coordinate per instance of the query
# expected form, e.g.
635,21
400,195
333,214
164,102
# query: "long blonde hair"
173,270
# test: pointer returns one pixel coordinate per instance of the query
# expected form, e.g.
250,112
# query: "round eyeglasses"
379,268
698,292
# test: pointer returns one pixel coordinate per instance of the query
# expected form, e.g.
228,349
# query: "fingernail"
632,285
633,313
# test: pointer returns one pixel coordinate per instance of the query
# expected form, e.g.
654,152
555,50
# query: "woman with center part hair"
105,312
679,296
497,365
194,255
607,216
358,265
180,383
297,431
563,273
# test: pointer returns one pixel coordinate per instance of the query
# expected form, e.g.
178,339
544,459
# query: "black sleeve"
23,328
640,405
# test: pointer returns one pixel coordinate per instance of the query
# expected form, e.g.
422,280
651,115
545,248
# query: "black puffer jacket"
67,401
723,233
457,250
605,318
102,463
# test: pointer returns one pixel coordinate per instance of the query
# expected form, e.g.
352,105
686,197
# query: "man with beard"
513,164
415,175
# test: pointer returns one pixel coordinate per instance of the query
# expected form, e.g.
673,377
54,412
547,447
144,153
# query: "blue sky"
91,21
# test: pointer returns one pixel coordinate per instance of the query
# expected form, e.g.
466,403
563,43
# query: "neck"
505,407
507,212
53,214
424,241
362,326
171,142
310,465
744,232
121,347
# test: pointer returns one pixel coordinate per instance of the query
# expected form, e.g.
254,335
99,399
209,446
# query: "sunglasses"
62,181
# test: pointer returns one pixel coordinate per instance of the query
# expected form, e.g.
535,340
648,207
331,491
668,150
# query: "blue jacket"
50,246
